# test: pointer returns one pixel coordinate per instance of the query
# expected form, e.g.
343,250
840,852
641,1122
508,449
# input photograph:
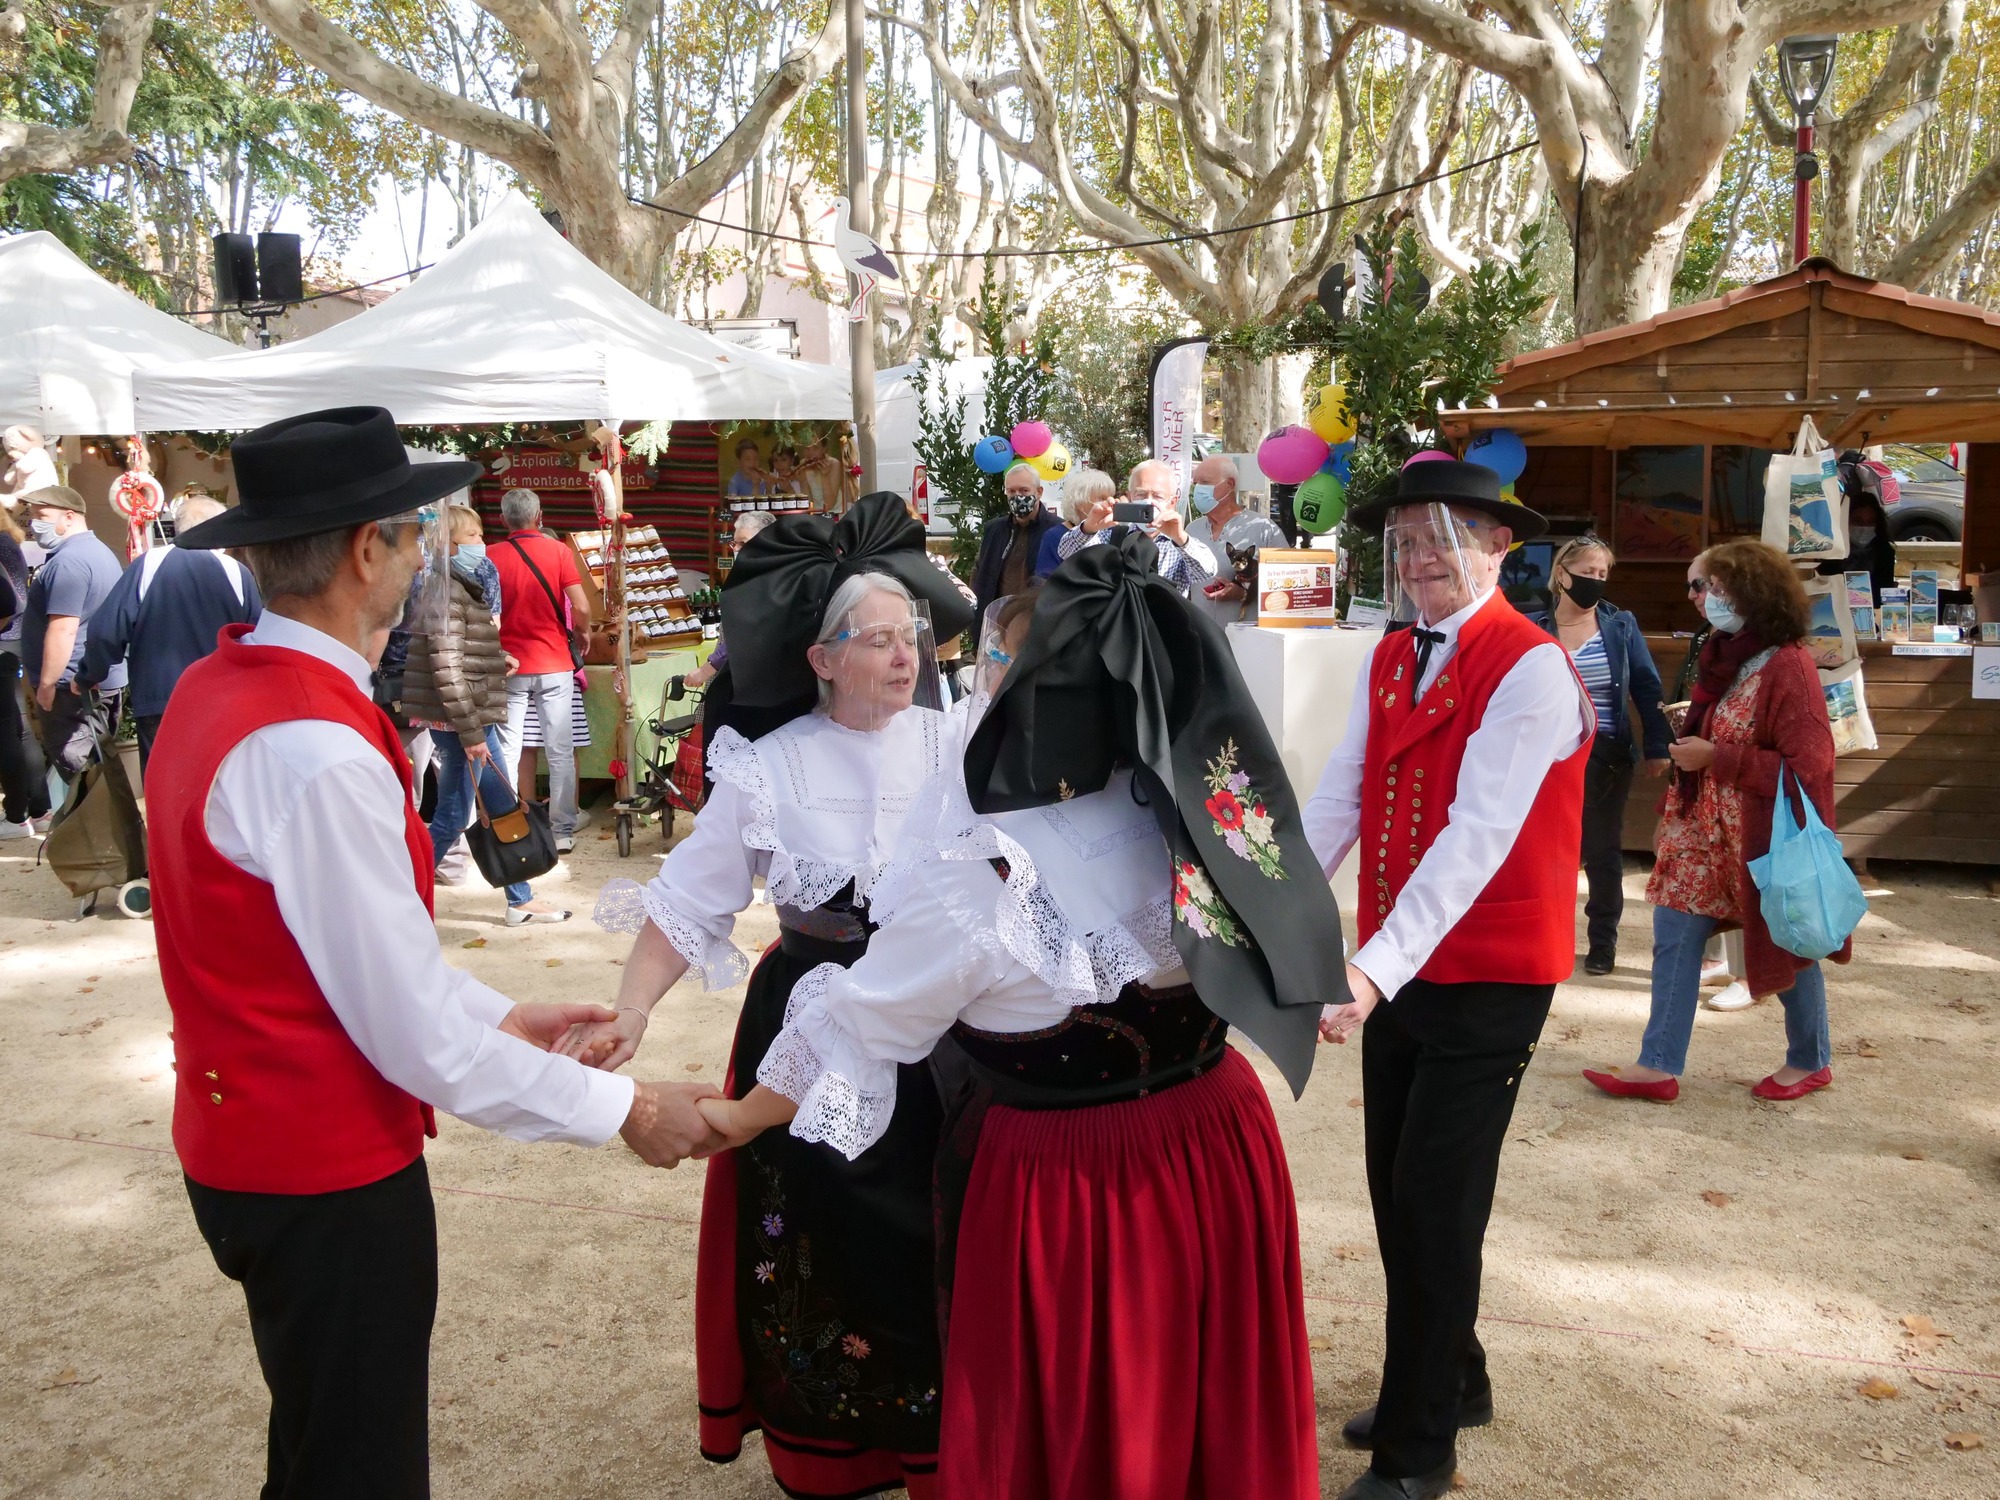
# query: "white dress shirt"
312,808
1536,716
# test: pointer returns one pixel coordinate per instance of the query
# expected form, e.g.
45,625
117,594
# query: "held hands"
725,1118
1692,755
666,1125
544,1026
1336,1021
605,1040
1660,767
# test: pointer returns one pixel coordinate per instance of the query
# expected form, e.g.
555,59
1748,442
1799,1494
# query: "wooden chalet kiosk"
1656,436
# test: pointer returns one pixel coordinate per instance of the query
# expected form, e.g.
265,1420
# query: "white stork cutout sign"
865,260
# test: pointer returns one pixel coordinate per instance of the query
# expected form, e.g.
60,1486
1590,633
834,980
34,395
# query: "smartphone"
1131,513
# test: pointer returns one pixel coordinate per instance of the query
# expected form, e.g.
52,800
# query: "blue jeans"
453,813
1678,937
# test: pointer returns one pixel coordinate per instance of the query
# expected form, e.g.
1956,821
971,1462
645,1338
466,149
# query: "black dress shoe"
1473,1411
1373,1486
1600,961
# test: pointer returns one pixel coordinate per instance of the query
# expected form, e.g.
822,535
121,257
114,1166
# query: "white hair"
846,599
750,522
1165,468
1081,488
1224,463
195,509
521,510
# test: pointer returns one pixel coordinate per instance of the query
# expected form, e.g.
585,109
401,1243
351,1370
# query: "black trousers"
1440,1066
342,1289
1607,782
149,730
24,777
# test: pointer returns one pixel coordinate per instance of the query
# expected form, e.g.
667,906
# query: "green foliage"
944,445
1098,392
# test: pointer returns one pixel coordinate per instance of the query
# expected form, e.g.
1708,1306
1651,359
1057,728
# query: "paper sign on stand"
1986,671
1295,589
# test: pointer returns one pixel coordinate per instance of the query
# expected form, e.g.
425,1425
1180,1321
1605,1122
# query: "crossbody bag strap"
547,592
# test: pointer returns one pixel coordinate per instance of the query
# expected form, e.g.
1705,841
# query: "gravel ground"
1713,1298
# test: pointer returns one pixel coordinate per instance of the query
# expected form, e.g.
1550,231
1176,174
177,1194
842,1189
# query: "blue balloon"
1501,451
993,455
1340,462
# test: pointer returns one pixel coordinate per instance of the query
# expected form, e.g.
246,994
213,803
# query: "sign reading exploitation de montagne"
553,469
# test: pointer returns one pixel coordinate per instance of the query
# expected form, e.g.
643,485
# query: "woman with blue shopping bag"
1757,726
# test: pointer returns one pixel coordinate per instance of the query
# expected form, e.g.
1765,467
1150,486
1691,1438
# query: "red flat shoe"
1660,1091
1770,1088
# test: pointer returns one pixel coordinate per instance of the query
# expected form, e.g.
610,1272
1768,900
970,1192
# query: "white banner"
1176,403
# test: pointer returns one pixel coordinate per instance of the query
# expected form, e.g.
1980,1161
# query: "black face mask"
1023,507
1584,592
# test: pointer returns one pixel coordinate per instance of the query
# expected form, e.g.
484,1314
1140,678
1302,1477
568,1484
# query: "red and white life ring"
140,500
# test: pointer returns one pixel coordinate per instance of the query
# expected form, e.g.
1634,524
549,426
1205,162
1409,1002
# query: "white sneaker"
520,916
582,819
565,844
20,830
1714,974
1736,997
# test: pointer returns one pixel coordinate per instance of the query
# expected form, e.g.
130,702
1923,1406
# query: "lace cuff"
845,1098
626,906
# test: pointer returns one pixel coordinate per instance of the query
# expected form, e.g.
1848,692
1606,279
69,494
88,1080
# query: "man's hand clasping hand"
606,1040
666,1126
1336,1021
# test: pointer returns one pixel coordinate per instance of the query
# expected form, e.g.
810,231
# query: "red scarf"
1722,658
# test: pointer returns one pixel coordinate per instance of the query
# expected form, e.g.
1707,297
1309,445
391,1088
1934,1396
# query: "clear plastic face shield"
430,589
1002,632
1436,561
875,656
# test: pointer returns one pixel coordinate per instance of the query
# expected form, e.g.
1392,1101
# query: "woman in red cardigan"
1756,706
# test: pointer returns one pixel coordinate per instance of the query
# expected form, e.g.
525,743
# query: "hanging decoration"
1320,503
1328,415
1031,439
1291,455
993,455
138,497
1052,463
1500,450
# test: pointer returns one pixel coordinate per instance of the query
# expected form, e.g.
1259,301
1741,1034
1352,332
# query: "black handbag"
516,846
576,649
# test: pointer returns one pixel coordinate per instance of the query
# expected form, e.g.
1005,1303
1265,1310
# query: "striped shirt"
1594,668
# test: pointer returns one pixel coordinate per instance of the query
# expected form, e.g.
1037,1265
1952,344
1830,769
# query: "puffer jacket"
458,677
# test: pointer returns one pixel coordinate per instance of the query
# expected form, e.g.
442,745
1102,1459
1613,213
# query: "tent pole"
861,335
614,604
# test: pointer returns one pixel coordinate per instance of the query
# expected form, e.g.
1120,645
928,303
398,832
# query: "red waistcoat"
271,1094
1521,929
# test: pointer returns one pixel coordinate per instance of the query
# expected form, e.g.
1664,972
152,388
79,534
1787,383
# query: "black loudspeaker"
235,269
278,275
1333,292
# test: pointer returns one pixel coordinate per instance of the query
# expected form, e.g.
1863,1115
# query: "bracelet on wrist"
643,1016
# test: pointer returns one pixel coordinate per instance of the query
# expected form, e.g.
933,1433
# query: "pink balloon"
1031,439
1424,457
1292,455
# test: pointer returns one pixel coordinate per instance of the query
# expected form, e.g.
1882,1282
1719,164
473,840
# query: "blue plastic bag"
1810,898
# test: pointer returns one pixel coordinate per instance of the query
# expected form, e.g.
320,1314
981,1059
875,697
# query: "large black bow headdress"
781,583
1118,667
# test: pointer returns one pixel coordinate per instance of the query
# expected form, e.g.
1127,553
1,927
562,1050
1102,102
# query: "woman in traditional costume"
1113,1200
815,1299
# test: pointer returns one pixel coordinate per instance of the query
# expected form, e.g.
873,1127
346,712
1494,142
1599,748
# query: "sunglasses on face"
1697,587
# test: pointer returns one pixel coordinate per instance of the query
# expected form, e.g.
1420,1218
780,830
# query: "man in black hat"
316,1025
1461,779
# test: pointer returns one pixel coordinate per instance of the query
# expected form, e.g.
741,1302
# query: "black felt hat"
1119,668
324,471
1448,481
784,578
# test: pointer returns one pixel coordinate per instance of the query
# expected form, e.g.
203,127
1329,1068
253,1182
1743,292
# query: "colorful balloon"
1051,463
1500,450
1425,456
993,455
1320,503
1291,455
1340,462
1031,439
1328,415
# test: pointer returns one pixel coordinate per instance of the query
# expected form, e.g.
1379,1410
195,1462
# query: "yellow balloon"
1328,416
1052,463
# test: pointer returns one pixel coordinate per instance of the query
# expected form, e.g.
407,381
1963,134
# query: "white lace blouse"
810,807
1084,909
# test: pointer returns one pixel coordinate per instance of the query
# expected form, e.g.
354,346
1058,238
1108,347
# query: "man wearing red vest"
315,1022
1461,781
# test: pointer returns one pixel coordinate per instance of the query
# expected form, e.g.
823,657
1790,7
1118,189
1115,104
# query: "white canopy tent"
70,341
513,324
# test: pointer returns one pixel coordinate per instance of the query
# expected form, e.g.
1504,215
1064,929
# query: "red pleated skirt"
1128,1321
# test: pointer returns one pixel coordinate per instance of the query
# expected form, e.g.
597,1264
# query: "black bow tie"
1427,641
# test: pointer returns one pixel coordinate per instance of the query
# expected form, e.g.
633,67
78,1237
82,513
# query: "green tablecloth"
649,685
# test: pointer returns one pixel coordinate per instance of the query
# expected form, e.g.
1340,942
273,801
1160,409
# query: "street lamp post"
1805,64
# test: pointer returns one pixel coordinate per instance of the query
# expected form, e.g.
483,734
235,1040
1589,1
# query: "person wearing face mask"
1757,711
1222,524
316,1026
1013,540
1182,560
1609,652
79,574
1869,549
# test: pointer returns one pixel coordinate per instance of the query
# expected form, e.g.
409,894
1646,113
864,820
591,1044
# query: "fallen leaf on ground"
1866,1049
1913,1156
1875,1388
1969,1007
84,1030
552,963
1570,1033
1355,1102
1458,1480
1716,1199
1928,1382
473,943
1963,1442
1720,1336
1611,1213
692,1067
555,1341
500,1358
1884,1453
1920,1326
1319,1343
